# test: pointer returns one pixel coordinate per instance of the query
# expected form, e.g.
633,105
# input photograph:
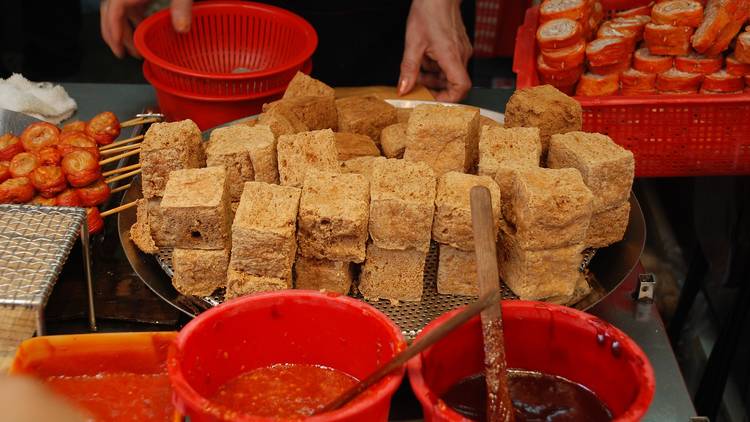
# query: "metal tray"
609,267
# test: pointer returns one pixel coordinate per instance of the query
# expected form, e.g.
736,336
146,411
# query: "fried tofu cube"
539,274
452,224
608,227
353,145
262,146
503,151
167,147
322,274
361,165
581,290
196,210
315,112
240,283
228,147
303,85
140,231
303,151
263,233
281,121
544,107
549,208
607,168
457,272
444,137
198,272
333,215
156,224
403,114
402,204
486,121
396,275
366,115
393,140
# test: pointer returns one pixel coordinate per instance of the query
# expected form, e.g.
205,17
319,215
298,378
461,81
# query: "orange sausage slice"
557,9
698,63
618,68
736,67
667,40
742,48
731,30
723,82
558,33
565,58
678,13
644,61
592,85
636,11
635,24
606,51
562,77
609,31
636,81
715,17
676,80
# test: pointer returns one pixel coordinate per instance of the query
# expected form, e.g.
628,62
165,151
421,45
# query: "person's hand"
119,17
436,50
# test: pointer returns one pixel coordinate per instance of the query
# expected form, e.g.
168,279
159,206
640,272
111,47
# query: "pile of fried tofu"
343,194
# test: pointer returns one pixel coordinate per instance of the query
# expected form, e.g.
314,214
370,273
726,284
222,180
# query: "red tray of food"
670,135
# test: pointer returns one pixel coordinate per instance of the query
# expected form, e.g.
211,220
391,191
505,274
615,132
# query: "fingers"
457,78
181,12
111,25
127,41
410,64
433,81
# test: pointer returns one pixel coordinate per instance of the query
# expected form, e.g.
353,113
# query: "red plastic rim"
159,85
187,392
164,18
637,409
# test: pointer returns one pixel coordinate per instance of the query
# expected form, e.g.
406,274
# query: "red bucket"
546,338
294,326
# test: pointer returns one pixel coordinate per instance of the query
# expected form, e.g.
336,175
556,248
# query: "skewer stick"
121,142
119,149
120,188
139,121
121,169
118,157
122,176
115,210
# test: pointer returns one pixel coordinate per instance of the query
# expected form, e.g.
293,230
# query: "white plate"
494,115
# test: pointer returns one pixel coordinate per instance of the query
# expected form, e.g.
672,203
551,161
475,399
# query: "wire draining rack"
35,241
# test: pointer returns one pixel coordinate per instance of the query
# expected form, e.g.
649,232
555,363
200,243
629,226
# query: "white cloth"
42,100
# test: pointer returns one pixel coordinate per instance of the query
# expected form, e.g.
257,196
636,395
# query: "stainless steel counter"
671,402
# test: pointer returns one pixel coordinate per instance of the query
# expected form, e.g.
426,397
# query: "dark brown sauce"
535,396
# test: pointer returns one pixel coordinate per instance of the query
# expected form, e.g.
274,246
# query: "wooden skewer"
118,157
115,210
119,149
138,121
120,188
122,176
121,142
122,169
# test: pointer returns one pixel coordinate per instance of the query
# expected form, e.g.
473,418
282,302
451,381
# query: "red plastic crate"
670,135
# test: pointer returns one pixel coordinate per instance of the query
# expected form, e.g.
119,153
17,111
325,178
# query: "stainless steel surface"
34,244
671,402
14,122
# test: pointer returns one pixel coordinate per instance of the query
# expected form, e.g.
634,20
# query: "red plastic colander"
233,49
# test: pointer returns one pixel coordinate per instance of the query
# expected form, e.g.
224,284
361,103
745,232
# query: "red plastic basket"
233,49
670,135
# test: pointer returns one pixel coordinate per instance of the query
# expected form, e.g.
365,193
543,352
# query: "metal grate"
34,243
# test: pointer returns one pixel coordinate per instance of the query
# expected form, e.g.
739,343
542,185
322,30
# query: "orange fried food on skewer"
80,168
74,126
48,180
39,135
104,128
23,164
9,146
72,141
40,200
94,220
68,198
5,171
17,190
94,194
49,156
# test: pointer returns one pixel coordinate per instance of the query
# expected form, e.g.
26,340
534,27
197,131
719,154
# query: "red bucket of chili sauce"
281,355
543,343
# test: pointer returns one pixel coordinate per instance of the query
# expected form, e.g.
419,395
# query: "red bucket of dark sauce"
543,339
283,350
